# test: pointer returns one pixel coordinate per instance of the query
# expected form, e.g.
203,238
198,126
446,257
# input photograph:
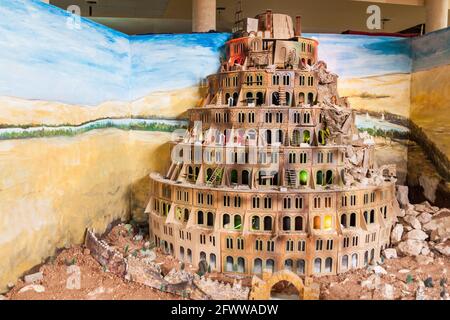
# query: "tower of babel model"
273,173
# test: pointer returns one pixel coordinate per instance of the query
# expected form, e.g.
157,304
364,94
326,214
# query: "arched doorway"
285,279
284,290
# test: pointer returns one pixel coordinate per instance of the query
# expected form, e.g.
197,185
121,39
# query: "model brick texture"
273,173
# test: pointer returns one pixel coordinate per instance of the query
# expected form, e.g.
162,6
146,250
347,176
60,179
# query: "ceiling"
174,16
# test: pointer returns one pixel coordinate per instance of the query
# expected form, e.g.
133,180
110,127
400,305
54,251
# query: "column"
203,15
437,15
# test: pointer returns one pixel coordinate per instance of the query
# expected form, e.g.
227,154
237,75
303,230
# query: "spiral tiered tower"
272,173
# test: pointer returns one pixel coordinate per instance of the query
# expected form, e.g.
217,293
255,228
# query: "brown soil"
348,286
96,284
99,284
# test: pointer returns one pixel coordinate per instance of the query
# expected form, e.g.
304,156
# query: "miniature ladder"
282,92
291,178
212,180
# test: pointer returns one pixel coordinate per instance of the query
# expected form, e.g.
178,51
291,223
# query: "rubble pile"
222,291
422,230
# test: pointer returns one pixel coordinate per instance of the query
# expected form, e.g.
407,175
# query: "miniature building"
273,173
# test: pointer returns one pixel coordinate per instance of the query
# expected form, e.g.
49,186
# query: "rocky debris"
397,233
390,253
424,260
35,277
402,196
175,276
443,248
223,291
424,218
423,230
377,270
412,221
416,235
371,283
387,291
92,295
35,287
411,247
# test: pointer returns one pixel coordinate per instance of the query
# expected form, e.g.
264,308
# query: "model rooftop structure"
272,173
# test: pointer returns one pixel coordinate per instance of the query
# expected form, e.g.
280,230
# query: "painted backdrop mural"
85,115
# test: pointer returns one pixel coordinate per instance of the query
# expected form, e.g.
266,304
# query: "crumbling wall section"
107,256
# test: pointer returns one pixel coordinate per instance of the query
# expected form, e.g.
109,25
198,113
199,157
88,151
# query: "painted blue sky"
360,56
431,51
167,62
42,58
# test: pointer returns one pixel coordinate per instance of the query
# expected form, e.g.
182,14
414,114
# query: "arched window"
301,266
186,215
249,97
372,216
296,138
306,136
235,98
303,178
268,137
355,261
286,223
276,98
366,258
372,255
317,265
227,99
353,220
237,222
366,216
200,217
345,262
209,174
270,264
344,220
328,265
210,219
317,223
298,223
257,266
259,98
226,221
234,176
202,256
267,223
288,99
229,264
181,253
189,255
329,177
327,222
245,177
310,98
288,264
241,265
301,98
319,178
212,261
255,223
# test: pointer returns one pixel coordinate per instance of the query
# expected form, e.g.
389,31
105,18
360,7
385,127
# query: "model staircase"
291,178
214,179
282,92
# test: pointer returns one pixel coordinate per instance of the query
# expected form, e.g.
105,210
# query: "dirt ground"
403,274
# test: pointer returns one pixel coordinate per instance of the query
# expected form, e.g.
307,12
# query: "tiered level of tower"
272,173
